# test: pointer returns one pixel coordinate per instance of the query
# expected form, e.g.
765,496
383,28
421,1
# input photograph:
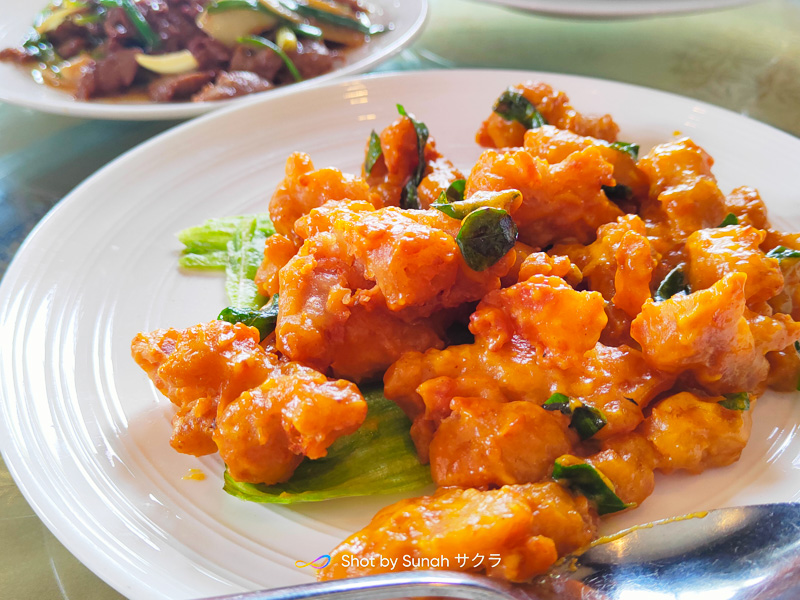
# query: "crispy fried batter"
263,414
527,526
554,106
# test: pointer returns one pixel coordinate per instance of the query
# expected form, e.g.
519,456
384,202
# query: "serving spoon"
743,553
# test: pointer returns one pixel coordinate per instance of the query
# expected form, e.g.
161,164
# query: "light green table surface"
746,59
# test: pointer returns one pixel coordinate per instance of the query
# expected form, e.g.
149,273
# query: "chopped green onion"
409,197
226,5
730,219
513,106
264,319
674,283
590,482
374,152
631,150
260,42
361,25
782,253
618,192
486,236
558,402
740,401
459,209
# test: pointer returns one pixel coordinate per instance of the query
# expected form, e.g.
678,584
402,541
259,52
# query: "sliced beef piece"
173,21
118,29
264,63
69,39
109,76
178,87
312,58
231,85
208,52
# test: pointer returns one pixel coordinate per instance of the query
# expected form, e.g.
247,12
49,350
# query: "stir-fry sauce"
626,316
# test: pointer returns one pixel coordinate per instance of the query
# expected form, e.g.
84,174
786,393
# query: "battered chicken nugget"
616,381
398,161
305,188
265,433
684,196
554,145
483,444
557,322
263,414
696,433
198,368
713,253
561,202
527,526
554,106
708,334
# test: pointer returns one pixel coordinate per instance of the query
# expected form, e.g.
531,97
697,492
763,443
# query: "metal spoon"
746,553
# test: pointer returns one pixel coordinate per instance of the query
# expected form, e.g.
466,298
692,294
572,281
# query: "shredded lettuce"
235,244
379,458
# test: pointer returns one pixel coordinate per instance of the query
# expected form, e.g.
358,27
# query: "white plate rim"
616,9
67,106
104,566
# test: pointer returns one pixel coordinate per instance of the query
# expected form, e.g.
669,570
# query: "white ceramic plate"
615,9
85,434
18,87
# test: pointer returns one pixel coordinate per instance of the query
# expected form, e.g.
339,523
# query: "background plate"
18,87
85,434
615,9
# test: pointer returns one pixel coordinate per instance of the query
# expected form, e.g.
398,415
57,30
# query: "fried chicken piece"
635,265
540,263
713,253
555,145
684,196
527,526
558,323
439,174
278,250
321,324
560,202
305,188
497,132
263,414
746,203
628,461
597,261
197,369
710,333
484,443
368,285
784,369
696,433
265,433
616,381
398,161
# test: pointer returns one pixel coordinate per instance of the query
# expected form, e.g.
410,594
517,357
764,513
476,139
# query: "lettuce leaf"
379,458
235,244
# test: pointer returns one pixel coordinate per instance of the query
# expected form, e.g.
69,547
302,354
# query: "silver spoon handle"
391,585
